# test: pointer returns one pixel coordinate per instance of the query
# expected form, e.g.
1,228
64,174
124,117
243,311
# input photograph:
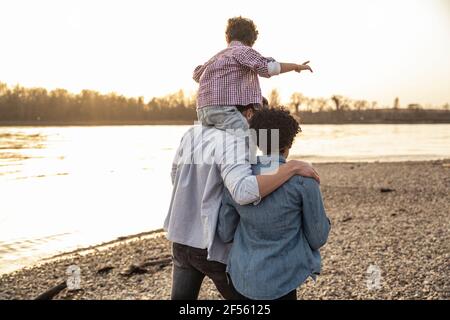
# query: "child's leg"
222,117
230,119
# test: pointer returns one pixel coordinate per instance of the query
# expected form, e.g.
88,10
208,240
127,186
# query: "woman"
275,243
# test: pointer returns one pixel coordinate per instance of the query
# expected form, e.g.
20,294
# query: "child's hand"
303,66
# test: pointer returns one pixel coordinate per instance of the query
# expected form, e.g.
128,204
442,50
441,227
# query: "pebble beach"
390,239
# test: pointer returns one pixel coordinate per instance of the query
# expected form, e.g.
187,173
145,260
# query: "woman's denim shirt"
276,243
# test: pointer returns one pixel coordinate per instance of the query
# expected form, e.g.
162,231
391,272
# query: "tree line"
20,104
299,102
38,104
341,109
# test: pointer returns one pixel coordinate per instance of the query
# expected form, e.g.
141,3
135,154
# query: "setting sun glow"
374,50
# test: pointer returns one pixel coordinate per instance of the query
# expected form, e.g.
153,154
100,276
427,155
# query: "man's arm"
228,219
246,188
315,221
268,183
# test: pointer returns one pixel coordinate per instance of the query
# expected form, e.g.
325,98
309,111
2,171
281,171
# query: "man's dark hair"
241,29
242,109
275,118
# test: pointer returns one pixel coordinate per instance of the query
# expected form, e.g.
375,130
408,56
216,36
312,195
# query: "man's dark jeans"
190,267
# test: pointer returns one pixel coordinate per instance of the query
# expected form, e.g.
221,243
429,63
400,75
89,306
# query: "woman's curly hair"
241,29
275,118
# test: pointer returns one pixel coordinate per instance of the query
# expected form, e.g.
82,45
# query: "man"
198,188
276,243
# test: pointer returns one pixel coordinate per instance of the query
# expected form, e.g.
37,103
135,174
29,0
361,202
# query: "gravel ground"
402,232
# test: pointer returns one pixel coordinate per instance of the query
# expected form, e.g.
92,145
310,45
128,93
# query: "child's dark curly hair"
275,118
241,29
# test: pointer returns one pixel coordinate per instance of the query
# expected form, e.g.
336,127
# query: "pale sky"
374,50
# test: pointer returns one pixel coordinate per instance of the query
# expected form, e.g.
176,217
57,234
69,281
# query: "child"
230,78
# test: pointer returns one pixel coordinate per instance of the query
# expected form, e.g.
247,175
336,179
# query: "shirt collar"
235,43
266,159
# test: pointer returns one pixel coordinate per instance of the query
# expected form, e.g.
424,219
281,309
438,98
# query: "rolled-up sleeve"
244,191
274,68
237,174
254,60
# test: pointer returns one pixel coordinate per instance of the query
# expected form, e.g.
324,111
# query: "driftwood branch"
141,268
165,261
52,292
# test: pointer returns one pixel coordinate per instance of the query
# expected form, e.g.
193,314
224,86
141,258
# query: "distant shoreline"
174,123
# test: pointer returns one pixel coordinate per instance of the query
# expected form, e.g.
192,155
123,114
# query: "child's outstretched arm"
287,67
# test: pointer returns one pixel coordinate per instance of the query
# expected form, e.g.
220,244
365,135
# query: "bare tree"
396,103
360,105
274,98
337,102
374,105
297,99
321,104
